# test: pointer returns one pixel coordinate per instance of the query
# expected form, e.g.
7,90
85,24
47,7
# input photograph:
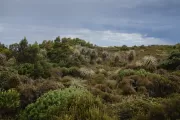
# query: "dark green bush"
172,62
25,69
9,80
41,69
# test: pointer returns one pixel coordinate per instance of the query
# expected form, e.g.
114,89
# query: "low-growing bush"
72,103
98,79
140,109
28,94
9,80
86,73
172,62
9,102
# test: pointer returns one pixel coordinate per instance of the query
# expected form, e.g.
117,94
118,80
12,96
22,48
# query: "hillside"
71,79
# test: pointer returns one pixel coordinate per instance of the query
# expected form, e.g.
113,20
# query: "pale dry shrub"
86,73
99,60
149,63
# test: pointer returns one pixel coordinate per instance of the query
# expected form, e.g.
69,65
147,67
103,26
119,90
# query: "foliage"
172,62
9,102
48,81
8,80
2,59
67,103
9,99
41,69
86,73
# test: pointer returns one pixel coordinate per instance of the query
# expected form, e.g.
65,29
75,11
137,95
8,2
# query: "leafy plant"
9,102
72,103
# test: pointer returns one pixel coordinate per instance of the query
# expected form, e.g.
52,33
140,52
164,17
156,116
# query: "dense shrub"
2,59
86,73
156,85
28,94
9,80
72,103
139,109
98,79
172,107
172,62
41,69
9,102
25,69
48,85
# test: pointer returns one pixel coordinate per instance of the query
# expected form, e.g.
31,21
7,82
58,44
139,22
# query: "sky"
101,22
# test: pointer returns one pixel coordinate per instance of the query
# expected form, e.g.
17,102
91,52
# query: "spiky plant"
105,55
86,73
116,57
131,55
149,63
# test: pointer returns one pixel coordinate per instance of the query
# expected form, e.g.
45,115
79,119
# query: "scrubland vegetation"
71,79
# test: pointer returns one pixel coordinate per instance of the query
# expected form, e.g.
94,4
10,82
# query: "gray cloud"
156,18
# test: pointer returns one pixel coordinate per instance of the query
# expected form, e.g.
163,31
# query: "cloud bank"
105,22
103,38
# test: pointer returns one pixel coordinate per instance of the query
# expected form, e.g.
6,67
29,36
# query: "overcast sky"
102,22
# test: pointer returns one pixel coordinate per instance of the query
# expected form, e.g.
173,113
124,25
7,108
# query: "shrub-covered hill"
71,79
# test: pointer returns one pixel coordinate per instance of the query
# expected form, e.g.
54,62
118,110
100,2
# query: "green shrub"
25,69
8,80
74,71
139,109
161,86
9,101
72,103
172,62
41,69
126,72
48,85
172,107
157,85
98,79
